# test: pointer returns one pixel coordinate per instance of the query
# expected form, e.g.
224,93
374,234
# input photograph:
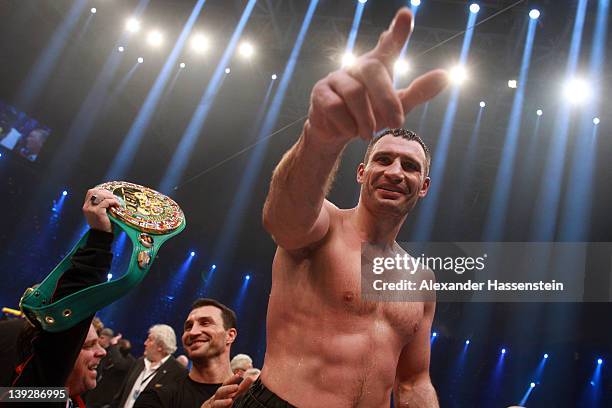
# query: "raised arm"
413,388
348,103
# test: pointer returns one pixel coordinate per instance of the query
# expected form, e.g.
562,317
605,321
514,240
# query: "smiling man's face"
204,334
84,373
394,178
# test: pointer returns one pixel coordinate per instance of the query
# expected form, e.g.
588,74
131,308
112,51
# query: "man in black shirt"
70,358
209,331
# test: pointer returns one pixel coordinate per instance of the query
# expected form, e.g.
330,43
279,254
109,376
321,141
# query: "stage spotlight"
415,3
120,48
348,59
512,83
503,351
434,334
599,361
132,25
596,121
155,38
109,276
482,104
546,355
192,254
401,67
539,112
534,14
93,10
458,75
474,8
199,43
214,266
140,60
182,65
576,90
467,342
64,193
227,70
363,1
532,385
274,76
246,50
247,277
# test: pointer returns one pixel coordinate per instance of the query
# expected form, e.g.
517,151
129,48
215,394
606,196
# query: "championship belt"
149,218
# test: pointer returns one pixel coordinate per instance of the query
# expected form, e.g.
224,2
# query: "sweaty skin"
326,347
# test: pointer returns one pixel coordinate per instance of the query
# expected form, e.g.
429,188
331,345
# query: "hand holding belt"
149,218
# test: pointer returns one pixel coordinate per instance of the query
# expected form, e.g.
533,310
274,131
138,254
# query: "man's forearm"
421,395
299,185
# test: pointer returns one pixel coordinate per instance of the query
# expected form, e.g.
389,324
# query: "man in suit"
157,368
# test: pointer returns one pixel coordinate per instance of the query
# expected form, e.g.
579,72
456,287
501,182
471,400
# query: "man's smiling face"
204,334
394,178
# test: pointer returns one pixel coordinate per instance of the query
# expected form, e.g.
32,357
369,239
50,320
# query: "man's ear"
231,336
424,187
360,171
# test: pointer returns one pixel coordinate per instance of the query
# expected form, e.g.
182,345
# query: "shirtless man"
325,346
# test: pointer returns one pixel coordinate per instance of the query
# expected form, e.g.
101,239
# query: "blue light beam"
132,140
43,67
350,44
547,204
424,222
181,155
498,207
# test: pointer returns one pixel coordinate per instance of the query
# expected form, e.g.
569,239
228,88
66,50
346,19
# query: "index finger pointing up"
392,41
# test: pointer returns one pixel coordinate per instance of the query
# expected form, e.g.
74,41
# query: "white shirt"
143,380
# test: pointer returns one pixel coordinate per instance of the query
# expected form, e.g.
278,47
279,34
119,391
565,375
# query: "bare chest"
335,273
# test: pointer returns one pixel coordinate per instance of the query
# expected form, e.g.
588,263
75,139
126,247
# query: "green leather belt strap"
148,218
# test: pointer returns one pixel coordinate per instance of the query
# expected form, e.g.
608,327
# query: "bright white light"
192,253
227,70
155,38
348,59
246,50
503,351
415,3
539,112
120,48
182,65
140,60
596,121
474,8
532,385
64,193
199,43
363,1
93,10
274,76
132,25
401,67
512,83
458,75
546,355
534,14
109,276
467,342
482,104
576,91
599,361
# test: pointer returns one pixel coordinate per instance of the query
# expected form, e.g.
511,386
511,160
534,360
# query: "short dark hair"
228,315
404,134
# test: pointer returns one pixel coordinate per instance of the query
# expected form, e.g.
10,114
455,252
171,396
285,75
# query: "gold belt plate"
144,208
